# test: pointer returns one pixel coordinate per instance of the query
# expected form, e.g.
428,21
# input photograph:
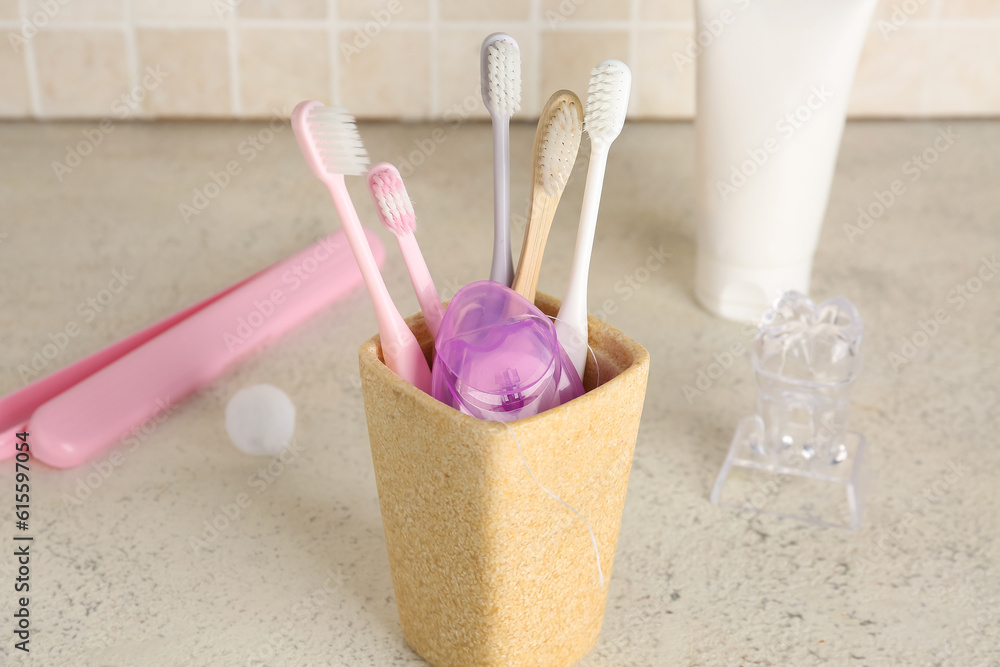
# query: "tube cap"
743,293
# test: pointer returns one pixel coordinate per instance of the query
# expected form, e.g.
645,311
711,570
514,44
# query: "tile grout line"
535,28
933,24
333,52
172,24
132,55
31,69
435,83
633,57
317,24
233,47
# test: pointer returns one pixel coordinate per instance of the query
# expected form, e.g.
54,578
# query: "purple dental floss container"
498,358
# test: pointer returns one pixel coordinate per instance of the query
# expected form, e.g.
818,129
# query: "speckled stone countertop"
299,574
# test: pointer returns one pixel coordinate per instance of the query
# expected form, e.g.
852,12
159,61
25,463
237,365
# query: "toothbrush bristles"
504,65
391,200
607,100
337,140
559,147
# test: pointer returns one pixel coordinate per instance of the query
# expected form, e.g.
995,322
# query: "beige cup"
488,568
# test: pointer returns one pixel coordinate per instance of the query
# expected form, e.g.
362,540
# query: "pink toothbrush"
332,147
396,213
74,413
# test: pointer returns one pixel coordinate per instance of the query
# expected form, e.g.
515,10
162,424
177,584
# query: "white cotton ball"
260,420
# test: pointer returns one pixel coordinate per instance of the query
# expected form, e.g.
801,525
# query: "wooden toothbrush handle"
543,209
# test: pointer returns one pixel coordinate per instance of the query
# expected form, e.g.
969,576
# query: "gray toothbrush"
501,84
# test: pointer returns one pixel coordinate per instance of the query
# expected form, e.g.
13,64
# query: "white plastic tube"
773,83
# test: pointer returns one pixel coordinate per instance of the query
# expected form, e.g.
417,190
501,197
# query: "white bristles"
607,100
559,147
503,75
391,201
337,141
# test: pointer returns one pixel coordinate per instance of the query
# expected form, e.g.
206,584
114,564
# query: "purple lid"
498,356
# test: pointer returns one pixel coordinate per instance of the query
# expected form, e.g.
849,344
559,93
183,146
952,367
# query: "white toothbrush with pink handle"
396,213
332,147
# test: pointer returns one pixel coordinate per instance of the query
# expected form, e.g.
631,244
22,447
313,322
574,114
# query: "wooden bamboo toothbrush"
557,141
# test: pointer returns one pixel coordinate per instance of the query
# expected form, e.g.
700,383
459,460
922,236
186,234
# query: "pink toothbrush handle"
400,348
423,284
16,407
139,386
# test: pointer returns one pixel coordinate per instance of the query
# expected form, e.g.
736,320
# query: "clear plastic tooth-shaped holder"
795,457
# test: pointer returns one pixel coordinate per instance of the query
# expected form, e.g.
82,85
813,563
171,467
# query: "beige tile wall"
419,58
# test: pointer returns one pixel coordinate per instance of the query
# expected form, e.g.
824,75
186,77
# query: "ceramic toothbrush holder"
488,568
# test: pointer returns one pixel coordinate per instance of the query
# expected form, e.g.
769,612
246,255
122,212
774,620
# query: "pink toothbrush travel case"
80,410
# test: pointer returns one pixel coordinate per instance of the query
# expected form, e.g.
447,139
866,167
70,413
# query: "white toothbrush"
501,88
331,145
607,101
396,213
